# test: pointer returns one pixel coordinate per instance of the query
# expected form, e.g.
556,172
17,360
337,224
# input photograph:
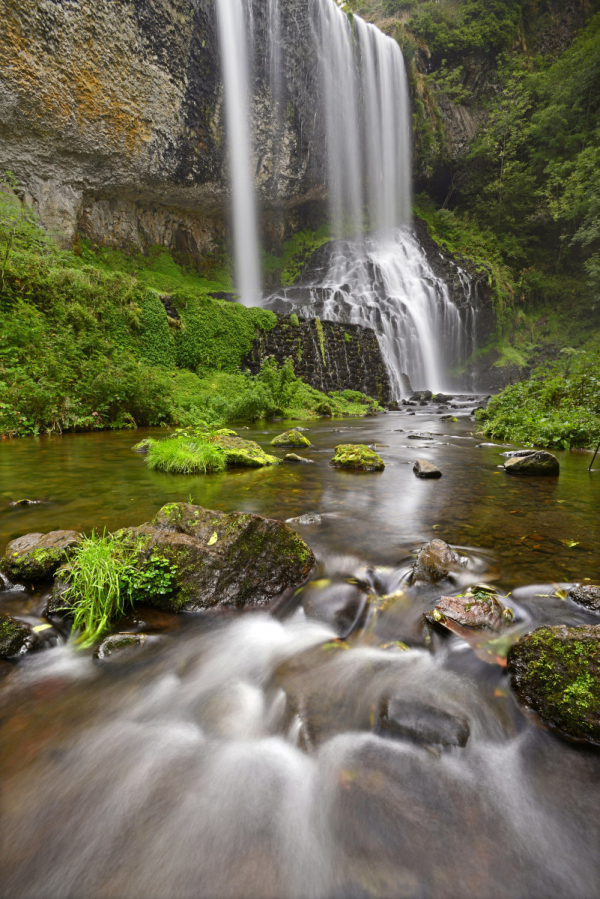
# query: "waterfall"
235,27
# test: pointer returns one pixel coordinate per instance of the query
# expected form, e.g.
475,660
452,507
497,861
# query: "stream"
238,755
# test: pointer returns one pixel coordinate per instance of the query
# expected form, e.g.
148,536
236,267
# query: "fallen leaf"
213,539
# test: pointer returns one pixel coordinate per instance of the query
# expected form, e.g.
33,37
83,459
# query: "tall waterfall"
377,273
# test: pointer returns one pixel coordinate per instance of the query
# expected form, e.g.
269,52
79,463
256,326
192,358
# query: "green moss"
291,438
356,457
294,321
321,339
241,453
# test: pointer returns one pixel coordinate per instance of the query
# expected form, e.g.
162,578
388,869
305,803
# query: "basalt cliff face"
111,120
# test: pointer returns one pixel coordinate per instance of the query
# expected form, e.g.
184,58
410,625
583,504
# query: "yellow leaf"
213,539
41,627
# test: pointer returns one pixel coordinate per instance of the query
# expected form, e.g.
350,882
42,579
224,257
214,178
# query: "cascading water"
234,20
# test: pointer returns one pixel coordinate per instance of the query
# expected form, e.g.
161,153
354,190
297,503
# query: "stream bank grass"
180,456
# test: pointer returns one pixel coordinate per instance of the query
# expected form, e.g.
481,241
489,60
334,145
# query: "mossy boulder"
534,463
36,557
223,559
16,637
291,438
240,453
556,672
356,457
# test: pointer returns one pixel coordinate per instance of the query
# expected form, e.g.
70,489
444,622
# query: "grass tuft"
179,456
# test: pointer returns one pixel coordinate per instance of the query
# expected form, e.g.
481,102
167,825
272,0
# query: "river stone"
424,469
420,435
435,562
477,609
235,559
16,637
538,463
36,557
291,438
342,606
420,395
556,672
292,458
240,453
423,723
586,595
356,457
119,646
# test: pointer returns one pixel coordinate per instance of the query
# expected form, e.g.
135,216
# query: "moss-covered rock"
535,463
556,672
294,459
291,438
36,557
356,457
234,559
16,637
240,453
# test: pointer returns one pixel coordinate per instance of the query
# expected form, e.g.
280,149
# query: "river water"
238,754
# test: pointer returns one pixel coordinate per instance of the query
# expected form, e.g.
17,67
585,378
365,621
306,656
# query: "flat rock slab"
538,463
423,723
356,457
587,595
236,559
435,561
424,469
36,557
555,671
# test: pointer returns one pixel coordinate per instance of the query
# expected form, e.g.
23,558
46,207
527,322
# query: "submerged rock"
240,453
555,671
26,502
477,609
292,459
16,637
236,559
435,561
424,469
423,723
307,518
534,463
420,435
119,645
357,457
343,606
291,438
36,557
587,596
144,445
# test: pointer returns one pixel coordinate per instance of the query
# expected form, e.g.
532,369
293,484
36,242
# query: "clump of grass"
180,456
99,580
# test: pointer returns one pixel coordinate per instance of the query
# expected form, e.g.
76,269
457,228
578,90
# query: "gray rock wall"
352,357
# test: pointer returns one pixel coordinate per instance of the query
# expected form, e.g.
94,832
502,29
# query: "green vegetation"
105,576
285,268
558,407
185,455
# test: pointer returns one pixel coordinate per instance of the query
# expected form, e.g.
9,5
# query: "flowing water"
237,755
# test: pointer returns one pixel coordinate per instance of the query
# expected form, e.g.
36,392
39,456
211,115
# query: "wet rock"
420,395
436,560
308,518
356,457
443,397
423,723
513,453
448,418
555,671
119,645
26,502
424,469
538,463
36,557
342,606
586,595
144,445
291,438
293,458
420,435
405,384
16,637
240,453
236,559
477,609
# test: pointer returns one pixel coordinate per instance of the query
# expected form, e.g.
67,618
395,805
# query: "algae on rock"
36,557
356,457
291,438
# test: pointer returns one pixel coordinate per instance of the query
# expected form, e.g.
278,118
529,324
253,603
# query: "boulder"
424,469
36,557
291,438
421,395
555,671
423,723
293,459
478,609
356,457
535,463
435,561
223,559
240,453
119,646
587,595
16,637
